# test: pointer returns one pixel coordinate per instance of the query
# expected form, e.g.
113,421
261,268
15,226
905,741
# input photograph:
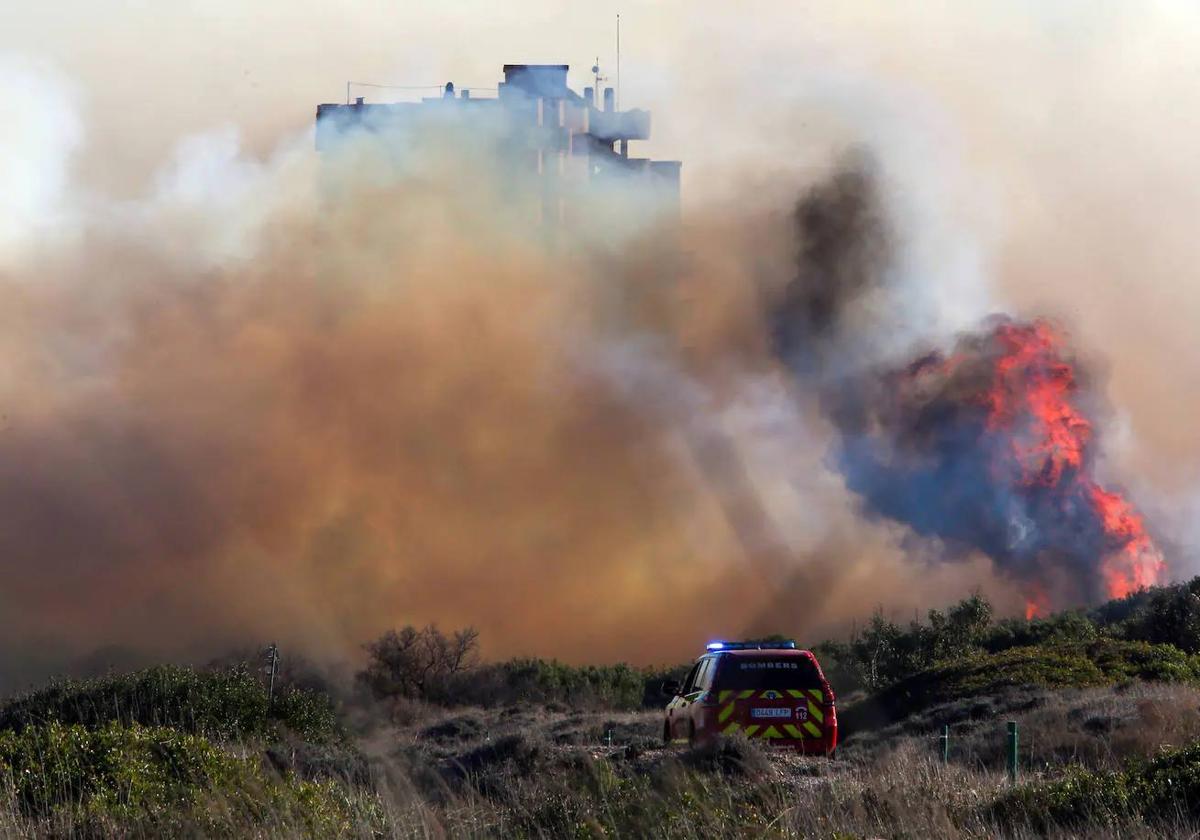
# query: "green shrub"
1060,628
129,776
1123,661
1081,797
884,652
112,769
540,681
1072,665
225,704
1157,791
1167,785
309,714
1167,615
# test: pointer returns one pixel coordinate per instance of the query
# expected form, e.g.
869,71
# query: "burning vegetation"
986,447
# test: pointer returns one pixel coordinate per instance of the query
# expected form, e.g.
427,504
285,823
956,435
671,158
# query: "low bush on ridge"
1053,666
220,704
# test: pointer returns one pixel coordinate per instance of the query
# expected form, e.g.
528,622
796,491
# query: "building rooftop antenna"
618,106
596,74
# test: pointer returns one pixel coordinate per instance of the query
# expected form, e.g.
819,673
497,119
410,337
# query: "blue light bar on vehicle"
784,645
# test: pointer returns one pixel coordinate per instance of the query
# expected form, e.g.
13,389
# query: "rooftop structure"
565,138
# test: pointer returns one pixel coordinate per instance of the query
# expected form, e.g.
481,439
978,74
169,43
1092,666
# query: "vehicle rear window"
743,672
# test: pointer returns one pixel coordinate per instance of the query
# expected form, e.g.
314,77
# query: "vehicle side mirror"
671,688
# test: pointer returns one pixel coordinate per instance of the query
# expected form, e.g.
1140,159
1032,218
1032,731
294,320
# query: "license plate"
774,712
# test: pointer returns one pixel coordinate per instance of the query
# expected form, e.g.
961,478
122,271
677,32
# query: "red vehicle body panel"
778,695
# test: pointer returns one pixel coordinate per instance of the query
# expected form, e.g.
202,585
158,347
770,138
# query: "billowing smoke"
248,396
309,399
986,447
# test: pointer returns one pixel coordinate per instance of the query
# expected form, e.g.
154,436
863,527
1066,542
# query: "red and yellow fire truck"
764,690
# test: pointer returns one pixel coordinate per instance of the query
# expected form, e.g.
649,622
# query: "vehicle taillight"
831,725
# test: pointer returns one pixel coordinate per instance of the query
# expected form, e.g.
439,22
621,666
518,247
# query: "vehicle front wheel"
691,733
666,733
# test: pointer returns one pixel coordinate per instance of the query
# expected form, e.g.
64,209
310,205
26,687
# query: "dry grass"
897,788
535,772
551,774
1093,727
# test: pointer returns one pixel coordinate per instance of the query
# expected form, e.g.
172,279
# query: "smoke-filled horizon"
233,409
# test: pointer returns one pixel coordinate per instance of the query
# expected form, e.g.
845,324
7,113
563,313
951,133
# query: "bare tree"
418,663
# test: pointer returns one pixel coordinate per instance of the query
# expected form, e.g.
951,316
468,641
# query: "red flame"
1137,562
1037,603
1034,385
1031,403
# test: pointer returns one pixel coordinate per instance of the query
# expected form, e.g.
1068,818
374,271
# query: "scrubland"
1108,714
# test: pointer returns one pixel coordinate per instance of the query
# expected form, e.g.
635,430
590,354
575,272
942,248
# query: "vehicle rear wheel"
691,733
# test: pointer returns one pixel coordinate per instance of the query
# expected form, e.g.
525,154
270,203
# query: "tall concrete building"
571,142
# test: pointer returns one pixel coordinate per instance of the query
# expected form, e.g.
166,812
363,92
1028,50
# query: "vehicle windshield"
742,672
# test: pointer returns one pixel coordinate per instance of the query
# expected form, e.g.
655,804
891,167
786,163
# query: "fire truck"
768,691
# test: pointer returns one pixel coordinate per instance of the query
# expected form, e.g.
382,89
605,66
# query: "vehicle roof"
753,652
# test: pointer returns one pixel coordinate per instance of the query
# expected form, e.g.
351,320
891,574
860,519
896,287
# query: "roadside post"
946,744
272,667
1012,750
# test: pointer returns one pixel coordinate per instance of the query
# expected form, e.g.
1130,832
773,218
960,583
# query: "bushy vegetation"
1058,665
1165,789
115,778
885,652
540,681
113,768
1165,615
220,704
427,665
537,748
1073,647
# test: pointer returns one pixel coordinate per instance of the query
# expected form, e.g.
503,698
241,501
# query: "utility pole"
273,663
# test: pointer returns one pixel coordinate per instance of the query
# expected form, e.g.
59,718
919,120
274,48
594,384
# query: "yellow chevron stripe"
816,694
795,692
723,696
815,713
812,728
792,731
746,695
725,713
771,732
732,728
751,729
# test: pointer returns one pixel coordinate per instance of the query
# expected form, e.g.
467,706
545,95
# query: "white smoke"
38,135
